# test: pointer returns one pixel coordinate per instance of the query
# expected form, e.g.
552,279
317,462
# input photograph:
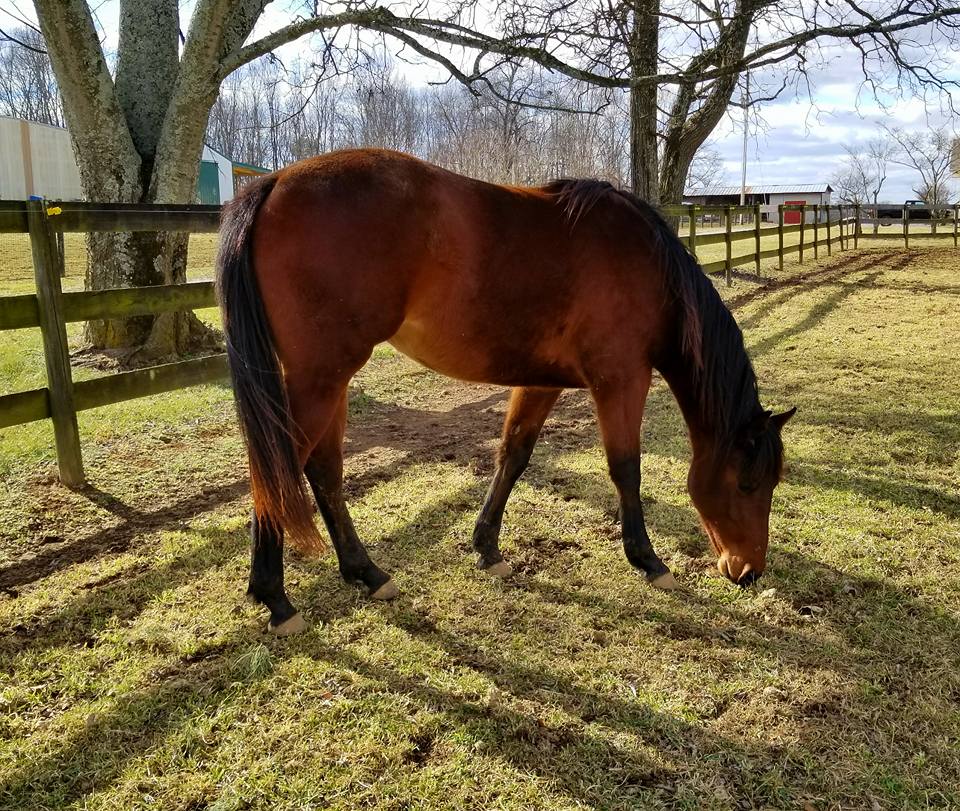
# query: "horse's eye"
746,489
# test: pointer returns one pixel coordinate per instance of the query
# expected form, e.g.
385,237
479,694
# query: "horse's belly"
457,351
442,351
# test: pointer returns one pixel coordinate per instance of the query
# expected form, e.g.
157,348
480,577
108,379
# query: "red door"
792,217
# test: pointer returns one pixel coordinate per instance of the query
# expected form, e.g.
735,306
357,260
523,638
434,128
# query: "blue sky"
798,138
801,138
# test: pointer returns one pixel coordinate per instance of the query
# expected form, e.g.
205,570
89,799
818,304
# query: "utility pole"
745,101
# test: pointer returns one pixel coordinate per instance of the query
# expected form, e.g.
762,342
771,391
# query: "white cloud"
800,138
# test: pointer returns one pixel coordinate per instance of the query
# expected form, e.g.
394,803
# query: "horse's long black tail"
263,410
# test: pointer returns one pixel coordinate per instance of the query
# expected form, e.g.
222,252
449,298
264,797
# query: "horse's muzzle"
737,570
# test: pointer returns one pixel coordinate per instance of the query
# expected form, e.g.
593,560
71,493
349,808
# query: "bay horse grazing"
571,285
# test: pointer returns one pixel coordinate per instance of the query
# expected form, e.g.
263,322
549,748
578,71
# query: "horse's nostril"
748,578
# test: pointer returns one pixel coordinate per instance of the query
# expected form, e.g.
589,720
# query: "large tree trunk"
644,46
138,138
141,259
695,112
678,154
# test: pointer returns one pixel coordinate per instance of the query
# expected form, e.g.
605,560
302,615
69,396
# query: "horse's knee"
625,474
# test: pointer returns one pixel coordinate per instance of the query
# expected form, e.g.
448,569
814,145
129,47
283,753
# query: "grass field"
132,675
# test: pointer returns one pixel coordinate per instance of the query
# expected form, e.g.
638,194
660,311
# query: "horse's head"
732,492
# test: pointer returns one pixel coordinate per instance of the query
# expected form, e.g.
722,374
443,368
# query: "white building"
769,197
37,160
215,184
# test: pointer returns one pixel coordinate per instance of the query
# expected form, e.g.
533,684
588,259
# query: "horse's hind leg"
266,579
324,471
529,408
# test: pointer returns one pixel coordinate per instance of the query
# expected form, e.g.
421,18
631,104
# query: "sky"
799,138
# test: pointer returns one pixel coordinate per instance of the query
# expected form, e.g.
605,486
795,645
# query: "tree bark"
139,139
696,111
643,49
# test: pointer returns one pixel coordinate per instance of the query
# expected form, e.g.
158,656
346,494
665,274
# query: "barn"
37,160
769,197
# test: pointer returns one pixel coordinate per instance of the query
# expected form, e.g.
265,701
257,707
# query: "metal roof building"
36,159
765,195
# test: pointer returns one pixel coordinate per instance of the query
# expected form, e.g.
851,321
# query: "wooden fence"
51,309
828,224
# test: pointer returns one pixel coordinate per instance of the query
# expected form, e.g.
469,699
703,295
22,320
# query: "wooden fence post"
693,231
906,228
780,234
856,226
803,225
956,213
816,231
756,234
46,268
728,266
829,237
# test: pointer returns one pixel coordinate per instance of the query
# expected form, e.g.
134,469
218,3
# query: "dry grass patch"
133,675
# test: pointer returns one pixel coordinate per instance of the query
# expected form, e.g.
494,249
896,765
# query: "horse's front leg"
529,408
620,413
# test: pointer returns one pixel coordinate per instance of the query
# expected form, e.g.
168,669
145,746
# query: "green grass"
22,366
133,675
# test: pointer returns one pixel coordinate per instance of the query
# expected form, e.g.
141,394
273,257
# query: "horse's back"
475,280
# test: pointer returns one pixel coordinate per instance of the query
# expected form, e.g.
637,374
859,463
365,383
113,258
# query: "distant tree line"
270,115
861,176
267,115
28,87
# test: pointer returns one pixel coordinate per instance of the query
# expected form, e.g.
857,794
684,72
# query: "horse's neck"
718,397
703,408
679,376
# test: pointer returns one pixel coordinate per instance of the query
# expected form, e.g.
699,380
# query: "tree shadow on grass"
134,523
582,756
92,757
878,487
817,313
122,595
775,294
879,667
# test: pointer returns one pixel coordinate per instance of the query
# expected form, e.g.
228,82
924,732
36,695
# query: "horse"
572,285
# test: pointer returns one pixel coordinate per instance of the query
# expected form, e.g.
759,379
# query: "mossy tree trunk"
138,138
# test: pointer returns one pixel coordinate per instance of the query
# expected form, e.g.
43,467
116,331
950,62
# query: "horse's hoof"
295,625
387,591
665,582
501,569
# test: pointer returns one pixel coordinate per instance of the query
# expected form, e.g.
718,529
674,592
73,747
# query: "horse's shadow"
605,731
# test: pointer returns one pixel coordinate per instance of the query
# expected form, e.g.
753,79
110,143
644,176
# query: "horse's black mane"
724,381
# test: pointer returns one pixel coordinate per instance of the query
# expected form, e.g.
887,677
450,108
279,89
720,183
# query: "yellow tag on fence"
54,210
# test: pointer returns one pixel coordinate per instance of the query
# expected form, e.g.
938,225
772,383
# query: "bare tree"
28,88
861,177
681,63
880,152
706,170
928,153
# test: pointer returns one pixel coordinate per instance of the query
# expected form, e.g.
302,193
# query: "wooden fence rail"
51,309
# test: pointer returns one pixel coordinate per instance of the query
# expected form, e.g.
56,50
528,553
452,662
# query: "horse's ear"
759,423
779,420
754,429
